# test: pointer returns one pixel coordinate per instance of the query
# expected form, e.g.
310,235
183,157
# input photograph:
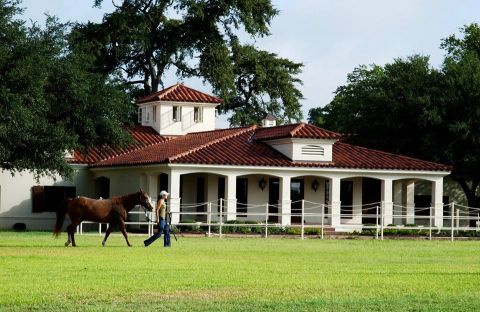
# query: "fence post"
209,218
100,228
430,225
323,217
452,216
303,219
266,220
458,220
382,220
221,218
376,223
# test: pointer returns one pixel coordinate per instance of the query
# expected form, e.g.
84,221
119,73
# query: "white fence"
309,218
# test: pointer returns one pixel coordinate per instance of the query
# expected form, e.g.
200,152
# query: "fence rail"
318,216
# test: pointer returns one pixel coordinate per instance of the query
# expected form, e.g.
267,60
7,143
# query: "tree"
410,108
264,83
198,38
50,100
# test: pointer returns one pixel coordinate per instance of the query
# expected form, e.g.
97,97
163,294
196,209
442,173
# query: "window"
198,114
313,150
140,115
154,113
177,114
50,198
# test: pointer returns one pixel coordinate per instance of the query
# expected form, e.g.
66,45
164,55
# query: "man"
161,213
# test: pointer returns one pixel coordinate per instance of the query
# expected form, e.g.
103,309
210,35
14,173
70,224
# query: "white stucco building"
177,148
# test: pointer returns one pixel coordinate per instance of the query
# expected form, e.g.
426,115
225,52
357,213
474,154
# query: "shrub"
293,231
189,228
274,230
312,231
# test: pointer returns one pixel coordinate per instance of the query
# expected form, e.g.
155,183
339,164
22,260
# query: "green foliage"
410,108
188,228
50,99
145,39
264,83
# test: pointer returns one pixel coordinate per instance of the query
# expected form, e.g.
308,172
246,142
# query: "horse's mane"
126,200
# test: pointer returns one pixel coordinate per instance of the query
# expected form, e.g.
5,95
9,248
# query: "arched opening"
371,198
102,187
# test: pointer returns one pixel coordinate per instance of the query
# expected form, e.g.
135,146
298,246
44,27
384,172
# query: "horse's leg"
71,232
122,228
111,226
67,243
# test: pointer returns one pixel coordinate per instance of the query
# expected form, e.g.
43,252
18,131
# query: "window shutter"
37,199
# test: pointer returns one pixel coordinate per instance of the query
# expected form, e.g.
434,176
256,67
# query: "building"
276,168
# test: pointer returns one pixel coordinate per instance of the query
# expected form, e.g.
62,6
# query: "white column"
387,198
231,194
153,187
174,183
335,200
285,202
397,200
437,202
408,194
212,188
357,201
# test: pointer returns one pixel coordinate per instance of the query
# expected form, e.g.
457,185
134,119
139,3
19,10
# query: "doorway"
296,196
273,197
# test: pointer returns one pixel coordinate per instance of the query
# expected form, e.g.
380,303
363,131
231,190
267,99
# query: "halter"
146,214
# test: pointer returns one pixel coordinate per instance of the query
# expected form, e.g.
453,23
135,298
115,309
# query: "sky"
330,37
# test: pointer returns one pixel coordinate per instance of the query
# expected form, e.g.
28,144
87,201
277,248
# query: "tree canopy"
196,38
410,108
51,100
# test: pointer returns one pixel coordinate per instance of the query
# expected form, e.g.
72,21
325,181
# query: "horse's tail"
61,211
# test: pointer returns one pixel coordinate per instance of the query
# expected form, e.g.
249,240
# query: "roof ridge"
240,131
168,90
297,128
223,129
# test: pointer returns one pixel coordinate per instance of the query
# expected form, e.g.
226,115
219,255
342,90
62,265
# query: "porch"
299,197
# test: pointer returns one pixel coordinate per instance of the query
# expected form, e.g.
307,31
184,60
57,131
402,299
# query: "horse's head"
145,200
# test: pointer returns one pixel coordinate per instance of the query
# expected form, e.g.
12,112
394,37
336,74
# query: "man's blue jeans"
162,227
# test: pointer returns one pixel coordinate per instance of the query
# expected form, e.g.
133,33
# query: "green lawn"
237,274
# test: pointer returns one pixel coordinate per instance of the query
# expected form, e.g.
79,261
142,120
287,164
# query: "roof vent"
313,150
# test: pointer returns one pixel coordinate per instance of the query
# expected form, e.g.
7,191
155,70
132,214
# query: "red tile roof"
142,137
170,150
180,93
241,147
300,130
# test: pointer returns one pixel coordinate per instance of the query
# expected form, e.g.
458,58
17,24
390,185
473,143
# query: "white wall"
165,125
16,198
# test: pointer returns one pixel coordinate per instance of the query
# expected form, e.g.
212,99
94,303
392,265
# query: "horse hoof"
66,244
103,244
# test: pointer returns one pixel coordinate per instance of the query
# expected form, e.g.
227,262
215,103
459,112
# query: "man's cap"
163,193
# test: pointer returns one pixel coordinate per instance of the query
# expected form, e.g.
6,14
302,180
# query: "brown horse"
112,211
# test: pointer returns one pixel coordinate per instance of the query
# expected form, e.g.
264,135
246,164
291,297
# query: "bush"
19,227
188,228
230,228
293,231
274,230
312,231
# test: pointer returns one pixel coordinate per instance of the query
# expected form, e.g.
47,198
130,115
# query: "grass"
237,274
